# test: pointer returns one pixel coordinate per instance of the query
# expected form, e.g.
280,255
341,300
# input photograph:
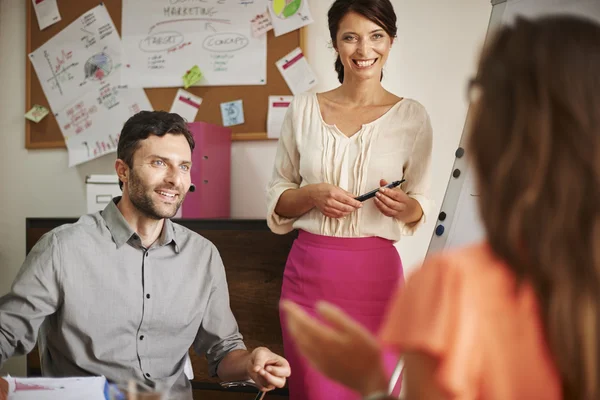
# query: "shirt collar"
122,232
168,235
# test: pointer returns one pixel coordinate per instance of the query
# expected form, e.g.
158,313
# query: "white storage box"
100,190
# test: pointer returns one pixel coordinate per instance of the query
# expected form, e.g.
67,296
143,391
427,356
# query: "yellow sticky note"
37,113
192,76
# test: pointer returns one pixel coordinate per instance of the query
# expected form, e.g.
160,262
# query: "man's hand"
267,369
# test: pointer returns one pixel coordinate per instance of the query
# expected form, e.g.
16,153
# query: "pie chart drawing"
98,66
286,8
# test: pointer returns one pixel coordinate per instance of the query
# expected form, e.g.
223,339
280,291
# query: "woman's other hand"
333,201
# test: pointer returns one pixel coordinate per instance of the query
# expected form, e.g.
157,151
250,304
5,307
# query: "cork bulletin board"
46,133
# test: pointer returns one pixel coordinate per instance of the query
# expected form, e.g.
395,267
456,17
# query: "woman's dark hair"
144,124
380,12
535,141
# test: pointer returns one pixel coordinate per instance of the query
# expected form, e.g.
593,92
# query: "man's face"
160,176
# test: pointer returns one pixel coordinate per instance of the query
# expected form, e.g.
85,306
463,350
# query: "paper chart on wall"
91,125
82,57
289,15
538,8
164,38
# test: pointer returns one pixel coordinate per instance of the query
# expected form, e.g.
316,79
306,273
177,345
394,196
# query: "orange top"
464,308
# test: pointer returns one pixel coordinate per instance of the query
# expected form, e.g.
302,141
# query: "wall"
431,61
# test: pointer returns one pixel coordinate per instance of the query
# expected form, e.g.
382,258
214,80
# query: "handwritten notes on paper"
161,38
82,57
37,113
261,24
296,72
186,105
46,12
278,106
232,113
289,15
91,125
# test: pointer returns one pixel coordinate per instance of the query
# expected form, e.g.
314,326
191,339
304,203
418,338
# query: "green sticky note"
37,113
192,76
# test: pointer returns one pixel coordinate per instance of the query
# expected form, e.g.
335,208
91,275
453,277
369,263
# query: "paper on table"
46,12
278,106
296,72
89,388
232,113
289,15
261,24
186,105
37,113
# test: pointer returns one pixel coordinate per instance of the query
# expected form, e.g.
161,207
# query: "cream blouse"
395,146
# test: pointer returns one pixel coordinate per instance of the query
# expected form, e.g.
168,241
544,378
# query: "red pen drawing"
80,117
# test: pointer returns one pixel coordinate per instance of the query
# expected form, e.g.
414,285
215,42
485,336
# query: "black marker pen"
372,193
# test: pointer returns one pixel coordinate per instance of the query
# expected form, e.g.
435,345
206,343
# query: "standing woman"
333,147
517,315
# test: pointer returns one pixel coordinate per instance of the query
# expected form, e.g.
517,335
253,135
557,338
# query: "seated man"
125,292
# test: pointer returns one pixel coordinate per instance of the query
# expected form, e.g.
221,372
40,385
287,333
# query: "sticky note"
186,105
37,113
296,72
261,24
278,106
192,76
47,12
232,113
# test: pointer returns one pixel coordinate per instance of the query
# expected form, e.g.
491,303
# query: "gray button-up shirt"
111,307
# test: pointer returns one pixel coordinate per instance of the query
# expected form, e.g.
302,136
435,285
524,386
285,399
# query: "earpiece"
192,188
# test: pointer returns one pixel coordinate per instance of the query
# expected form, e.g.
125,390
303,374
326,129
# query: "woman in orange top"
516,317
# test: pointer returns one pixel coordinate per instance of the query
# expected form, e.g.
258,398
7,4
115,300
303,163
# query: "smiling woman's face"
363,47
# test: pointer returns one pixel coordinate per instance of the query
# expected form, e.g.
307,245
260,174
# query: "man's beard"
142,200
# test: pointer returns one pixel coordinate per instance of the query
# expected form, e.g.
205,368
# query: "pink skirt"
359,275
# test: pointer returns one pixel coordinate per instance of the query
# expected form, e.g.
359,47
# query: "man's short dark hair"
144,124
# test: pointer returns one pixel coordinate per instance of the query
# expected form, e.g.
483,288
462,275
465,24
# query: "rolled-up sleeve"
219,333
286,174
418,174
34,295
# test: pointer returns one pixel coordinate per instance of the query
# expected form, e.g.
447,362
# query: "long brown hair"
535,142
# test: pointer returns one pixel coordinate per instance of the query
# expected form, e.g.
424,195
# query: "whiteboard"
537,8
459,223
163,39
